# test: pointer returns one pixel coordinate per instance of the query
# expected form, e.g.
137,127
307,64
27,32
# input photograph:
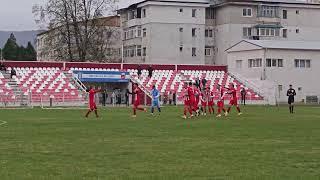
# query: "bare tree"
77,31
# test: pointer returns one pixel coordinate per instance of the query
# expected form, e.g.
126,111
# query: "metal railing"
247,83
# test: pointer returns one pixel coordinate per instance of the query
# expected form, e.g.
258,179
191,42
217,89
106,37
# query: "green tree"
10,50
30,53
21,54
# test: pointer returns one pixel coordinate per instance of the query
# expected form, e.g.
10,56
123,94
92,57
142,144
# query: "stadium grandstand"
58,83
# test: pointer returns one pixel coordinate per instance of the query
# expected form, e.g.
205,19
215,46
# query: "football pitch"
263,143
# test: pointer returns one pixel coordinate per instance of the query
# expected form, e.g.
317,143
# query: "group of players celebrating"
197,100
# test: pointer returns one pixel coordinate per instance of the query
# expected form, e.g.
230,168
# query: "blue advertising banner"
102,76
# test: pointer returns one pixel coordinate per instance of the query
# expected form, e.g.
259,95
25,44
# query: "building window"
210,13
181,10
144,13
284,33
280,62
132,51
139,13
297,31
262,32
268,62
208,33
247,12
302,63
194,12
284,14
238,64
268,11
130,15
308,63
144,32
139,31
247,31
134,33
268,32
194,51
207,52
139,50
130,34
277,32
144,51
274,62
193,32
180,29
254,63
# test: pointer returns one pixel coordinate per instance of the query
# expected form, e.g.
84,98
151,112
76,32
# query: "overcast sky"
16,15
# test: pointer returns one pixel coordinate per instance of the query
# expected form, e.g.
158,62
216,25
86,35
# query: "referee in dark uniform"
291,93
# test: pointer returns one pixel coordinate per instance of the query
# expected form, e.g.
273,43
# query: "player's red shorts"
136,103
93,106
195,104
233,102
220,104
187,102
210,103
197,100
192,102
203,104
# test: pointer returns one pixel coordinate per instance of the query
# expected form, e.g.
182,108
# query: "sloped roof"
130,3
302,2
272,44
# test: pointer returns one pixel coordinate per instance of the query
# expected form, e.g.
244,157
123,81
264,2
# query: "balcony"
133,41
263,37
269,14
268,19
210,22
209,41
131,23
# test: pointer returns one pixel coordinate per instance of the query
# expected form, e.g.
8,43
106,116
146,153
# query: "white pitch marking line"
3,122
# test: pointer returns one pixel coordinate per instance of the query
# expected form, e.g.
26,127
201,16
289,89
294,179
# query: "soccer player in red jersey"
187,107
220,103
204,101
92,104
197,94
136,101
210,101
191,96
234,100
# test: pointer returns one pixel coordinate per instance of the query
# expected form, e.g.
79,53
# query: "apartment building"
287,20
165,32
199,31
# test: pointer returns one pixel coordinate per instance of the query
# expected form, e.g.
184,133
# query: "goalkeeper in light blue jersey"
155,99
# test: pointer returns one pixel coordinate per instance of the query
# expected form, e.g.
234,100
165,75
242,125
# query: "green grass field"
264,143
